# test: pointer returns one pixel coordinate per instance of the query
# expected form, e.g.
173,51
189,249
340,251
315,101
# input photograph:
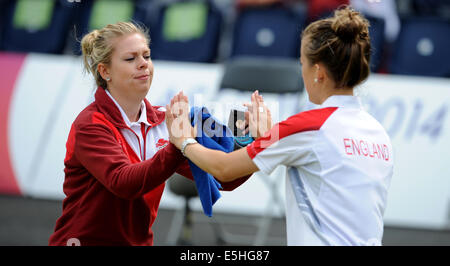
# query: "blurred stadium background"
238,44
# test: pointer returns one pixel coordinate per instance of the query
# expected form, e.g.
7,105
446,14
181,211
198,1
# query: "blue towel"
213,135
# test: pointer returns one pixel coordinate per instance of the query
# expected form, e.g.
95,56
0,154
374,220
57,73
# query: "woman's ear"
320,72
103,71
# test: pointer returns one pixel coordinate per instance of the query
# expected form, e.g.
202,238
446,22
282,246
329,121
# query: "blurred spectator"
316,8
384,9
323,8
244,3
260,3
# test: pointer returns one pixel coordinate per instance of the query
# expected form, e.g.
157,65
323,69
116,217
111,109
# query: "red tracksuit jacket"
112,197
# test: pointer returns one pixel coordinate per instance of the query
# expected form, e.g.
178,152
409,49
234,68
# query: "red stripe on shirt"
301,122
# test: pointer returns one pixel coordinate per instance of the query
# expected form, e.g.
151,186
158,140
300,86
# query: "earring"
108,79
316,80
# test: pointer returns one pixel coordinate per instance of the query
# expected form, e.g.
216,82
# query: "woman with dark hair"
339,158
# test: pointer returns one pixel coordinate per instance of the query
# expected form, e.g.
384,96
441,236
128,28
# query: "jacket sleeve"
99,152
185,171
229,186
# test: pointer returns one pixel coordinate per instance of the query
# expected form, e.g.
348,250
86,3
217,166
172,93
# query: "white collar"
348,101
142,118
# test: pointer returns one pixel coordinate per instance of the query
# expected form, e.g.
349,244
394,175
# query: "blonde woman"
118,152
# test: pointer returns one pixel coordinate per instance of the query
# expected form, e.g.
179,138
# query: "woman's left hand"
178,121
258,117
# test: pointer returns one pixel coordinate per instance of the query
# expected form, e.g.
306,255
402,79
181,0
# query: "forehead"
131,43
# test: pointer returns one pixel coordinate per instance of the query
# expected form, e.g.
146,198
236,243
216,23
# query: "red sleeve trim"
301,122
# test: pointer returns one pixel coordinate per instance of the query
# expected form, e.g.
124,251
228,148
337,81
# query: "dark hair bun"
342,44
349,25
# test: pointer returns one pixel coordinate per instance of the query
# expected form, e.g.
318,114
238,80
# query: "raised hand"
178,121
258,116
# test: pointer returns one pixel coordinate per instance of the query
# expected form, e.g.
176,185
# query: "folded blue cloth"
214,135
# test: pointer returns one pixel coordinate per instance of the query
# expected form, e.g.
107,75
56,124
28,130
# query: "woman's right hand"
178,121
258,116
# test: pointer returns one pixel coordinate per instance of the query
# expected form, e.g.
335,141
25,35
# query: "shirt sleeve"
99,152
272,150
290,142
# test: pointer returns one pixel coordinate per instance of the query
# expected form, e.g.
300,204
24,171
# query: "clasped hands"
258,119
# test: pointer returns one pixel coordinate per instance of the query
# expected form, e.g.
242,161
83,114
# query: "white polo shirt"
339,166
144,138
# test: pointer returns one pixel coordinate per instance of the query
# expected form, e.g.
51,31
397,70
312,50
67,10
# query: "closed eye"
147,57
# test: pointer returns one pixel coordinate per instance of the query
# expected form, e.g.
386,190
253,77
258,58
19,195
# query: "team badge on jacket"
161,144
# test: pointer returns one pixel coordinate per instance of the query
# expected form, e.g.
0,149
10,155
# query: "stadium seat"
266,74
96,14
3,4
267,31
431,7
422,48
180,232
187,31
36,26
